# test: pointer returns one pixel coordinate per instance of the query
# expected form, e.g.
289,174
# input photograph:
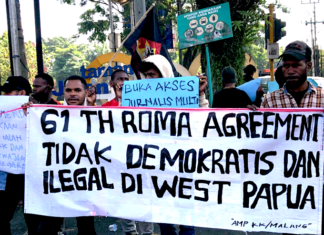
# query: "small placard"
180,92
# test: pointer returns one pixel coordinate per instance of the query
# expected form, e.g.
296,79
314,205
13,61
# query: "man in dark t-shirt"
229,96
42,90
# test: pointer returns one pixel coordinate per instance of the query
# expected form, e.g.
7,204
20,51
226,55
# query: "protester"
42,90
42,94
157,66
279,77
229,96
117,81
16,85
75,93
249,70
12,185
297,91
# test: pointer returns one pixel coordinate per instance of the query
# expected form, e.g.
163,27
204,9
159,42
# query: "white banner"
12,134
229,169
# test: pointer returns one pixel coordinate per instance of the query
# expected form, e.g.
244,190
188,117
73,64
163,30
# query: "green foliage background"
62,57
246,15
5,70
246,18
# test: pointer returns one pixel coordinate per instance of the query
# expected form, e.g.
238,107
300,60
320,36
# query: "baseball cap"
299,50
229,75
16,83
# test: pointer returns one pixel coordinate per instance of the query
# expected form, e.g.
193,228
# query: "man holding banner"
12,185
157,66
117,81
154,66
297,91
75,93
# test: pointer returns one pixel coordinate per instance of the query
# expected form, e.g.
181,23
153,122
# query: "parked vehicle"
266,79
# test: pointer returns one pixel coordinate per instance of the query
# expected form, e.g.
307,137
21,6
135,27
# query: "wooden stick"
119,48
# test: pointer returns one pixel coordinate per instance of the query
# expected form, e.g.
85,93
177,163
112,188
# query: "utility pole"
112,31
22,50
139,9
14,38
131,18
39,49
315,39
9,37
313,48
315,61
271,39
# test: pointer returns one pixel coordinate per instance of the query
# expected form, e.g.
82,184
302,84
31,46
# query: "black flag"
145,41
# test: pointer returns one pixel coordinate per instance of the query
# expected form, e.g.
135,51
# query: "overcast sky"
61,20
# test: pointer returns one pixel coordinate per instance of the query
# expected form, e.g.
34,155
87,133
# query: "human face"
74,92
152,73
295,73
118,83
40,89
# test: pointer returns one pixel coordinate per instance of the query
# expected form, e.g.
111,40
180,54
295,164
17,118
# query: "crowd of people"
295,92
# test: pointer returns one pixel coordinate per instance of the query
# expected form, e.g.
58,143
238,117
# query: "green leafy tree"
65,57
5,69
257,49
95,50
95,21
259,56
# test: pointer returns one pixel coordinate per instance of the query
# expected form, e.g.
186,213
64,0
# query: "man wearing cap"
16,85
11,185
229,96
297,91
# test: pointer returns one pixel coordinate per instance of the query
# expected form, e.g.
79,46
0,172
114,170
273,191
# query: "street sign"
205,25
273,50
